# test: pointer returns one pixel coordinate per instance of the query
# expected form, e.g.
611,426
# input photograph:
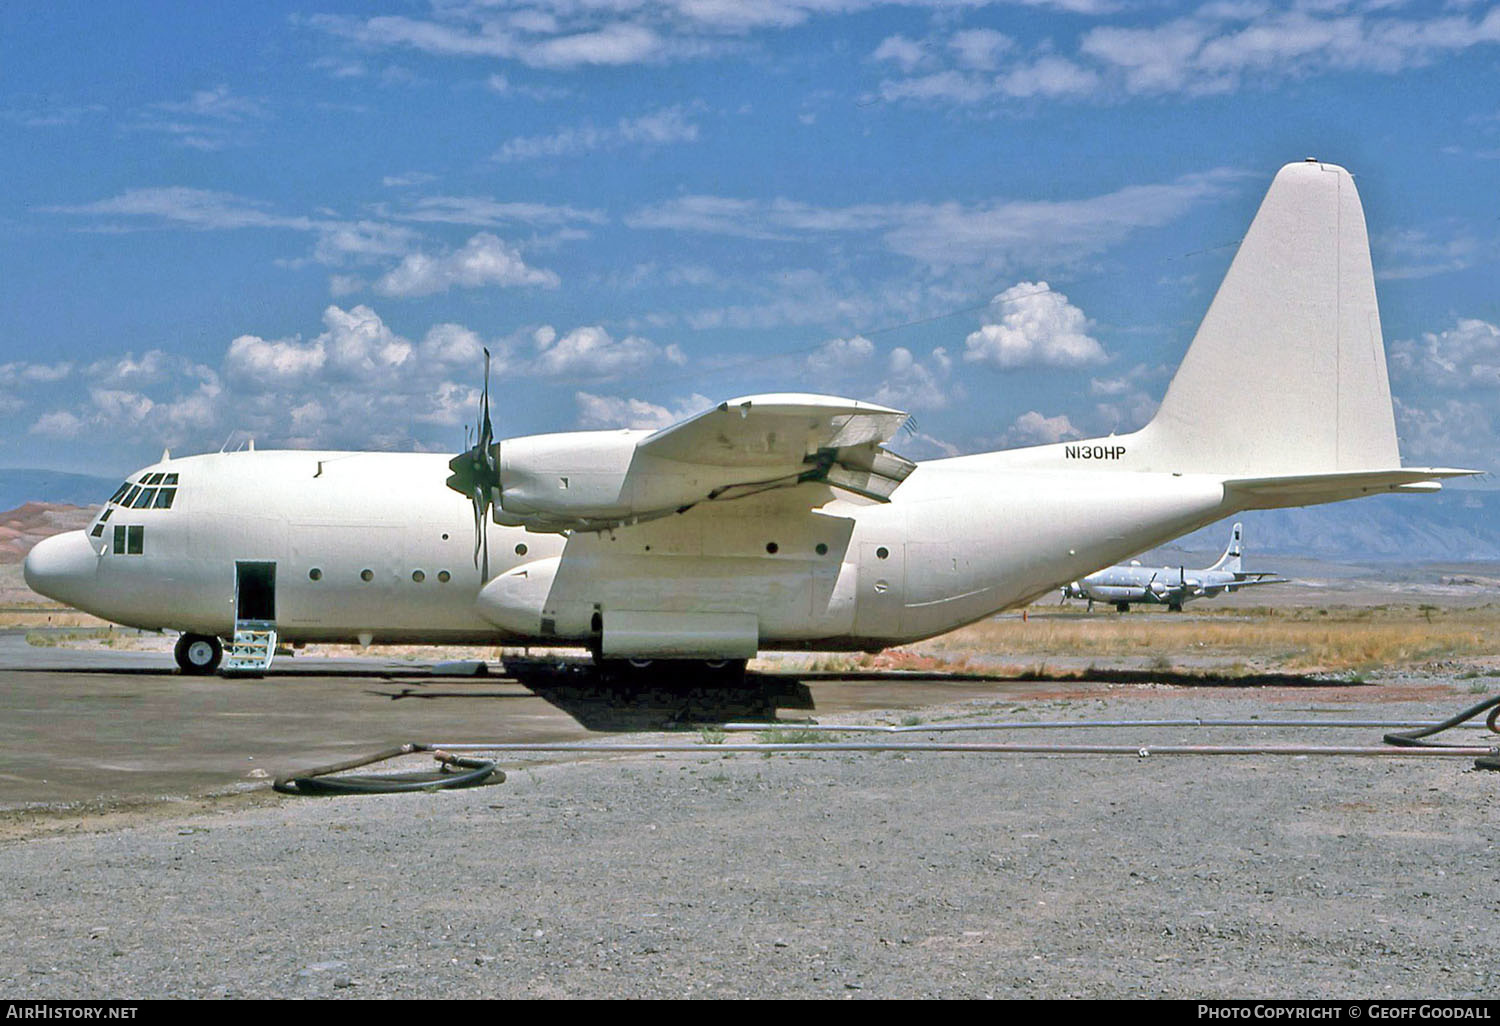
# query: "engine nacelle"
577,478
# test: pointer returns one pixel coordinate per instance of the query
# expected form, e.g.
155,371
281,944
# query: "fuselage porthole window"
315,574
367,575
164,498
418,576
444,576
882,552
145,499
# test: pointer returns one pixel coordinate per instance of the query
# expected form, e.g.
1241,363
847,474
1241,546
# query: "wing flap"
780,429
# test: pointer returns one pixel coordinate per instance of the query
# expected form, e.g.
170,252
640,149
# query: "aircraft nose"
62,567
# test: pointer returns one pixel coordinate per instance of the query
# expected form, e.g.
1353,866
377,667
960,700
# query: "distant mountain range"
18,487
1453,526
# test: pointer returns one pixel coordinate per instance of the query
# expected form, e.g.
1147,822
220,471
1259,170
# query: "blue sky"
300,222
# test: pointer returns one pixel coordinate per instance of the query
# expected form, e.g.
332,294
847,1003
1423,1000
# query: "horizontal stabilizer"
1312,489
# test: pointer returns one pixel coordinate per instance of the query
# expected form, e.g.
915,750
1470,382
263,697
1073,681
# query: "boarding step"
251,651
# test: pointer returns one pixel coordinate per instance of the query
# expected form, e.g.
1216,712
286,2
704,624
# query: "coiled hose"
319,781
1412,738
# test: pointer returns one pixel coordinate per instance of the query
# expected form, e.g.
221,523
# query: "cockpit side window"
130,498
164,498
121,493
144,500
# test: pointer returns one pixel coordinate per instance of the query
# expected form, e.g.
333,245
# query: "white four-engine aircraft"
1169,586
767,522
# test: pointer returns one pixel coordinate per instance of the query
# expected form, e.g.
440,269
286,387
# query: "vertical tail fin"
1287,374
1230,561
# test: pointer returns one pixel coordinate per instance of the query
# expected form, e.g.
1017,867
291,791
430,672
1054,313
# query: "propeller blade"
478,525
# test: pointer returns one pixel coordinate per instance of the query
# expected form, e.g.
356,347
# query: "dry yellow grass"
1356,638
1335,639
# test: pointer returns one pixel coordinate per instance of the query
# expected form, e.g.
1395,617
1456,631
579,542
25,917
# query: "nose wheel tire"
198,654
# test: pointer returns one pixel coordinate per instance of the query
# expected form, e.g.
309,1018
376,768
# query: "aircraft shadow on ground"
666,698
1094,674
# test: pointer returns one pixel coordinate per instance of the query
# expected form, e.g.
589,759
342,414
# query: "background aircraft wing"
1235,585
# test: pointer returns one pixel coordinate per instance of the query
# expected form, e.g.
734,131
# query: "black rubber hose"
320,782
1411,738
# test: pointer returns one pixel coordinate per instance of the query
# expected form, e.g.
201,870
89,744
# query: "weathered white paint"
1282,399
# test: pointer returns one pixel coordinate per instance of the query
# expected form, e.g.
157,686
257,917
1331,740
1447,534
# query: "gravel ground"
850,875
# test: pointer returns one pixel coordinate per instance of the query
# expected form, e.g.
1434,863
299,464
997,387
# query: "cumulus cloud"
1037,328
357,384
1032,428
606,411
483,260
58,424
591,352
254,359
26,373
1466,356
1447,431
907,53
838,356
913,384
355,344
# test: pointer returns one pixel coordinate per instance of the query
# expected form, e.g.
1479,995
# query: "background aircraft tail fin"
1231,559
1287,373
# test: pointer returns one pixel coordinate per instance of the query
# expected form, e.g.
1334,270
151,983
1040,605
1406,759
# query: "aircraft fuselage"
371,547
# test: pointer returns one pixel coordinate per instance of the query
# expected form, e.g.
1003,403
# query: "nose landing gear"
198,654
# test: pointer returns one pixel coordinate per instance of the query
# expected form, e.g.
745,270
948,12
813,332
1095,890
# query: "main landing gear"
198,654
670,671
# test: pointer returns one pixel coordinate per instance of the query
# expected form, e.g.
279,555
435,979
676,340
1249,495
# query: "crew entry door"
255,592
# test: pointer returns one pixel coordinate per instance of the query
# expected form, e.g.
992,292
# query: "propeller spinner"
477,475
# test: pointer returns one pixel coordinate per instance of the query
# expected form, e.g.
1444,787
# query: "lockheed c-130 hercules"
770,522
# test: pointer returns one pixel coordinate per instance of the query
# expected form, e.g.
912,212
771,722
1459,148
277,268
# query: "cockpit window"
146,495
